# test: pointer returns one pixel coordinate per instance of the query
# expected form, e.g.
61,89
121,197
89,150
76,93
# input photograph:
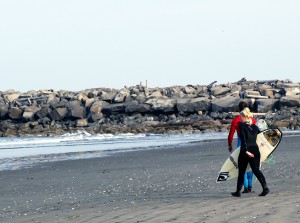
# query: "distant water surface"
24,152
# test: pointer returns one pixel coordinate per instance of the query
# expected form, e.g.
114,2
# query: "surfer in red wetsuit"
234,127
249,153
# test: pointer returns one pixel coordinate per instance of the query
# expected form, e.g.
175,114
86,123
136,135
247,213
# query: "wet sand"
166,184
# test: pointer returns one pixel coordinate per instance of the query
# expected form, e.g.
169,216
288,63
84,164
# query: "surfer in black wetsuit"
249,153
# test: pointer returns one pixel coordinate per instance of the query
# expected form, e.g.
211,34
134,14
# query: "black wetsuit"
248,134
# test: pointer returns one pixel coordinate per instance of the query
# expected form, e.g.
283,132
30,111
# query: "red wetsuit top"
235,127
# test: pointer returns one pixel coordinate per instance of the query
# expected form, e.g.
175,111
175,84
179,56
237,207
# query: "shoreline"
167,184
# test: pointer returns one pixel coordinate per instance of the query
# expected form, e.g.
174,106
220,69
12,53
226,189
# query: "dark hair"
242,105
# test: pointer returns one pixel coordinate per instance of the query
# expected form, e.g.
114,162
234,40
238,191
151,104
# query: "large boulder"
292,91
29,112
135,106
76,111
92,94
15,113
219,90
114,109
141,97
53,101
81,96
43,112
120,97
62,103
189,89
12,97
282,124
93,117
88,102
107,96
3,111
266,105
162,104
97,106
81,122
193,105
156,94
267,92
177,92
226,104
290,101
235,88
58,114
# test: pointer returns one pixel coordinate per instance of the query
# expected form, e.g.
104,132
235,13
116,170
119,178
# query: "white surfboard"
267,141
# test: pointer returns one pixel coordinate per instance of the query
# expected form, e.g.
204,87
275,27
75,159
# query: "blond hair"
247,113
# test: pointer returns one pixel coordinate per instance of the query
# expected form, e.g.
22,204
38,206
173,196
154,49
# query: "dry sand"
158,185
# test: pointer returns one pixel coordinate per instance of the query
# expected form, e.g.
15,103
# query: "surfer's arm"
250,154
233,127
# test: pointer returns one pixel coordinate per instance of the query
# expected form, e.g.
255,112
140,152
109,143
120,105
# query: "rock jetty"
140,109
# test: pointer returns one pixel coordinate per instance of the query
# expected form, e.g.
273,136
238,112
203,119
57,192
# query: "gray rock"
94,117
107,96
132,119
15,113
236,88
29,112
282,124
58,114
193,105
250,93
292,91
267,92
54,102
290,101
89,102
120,97
277,95
114,108
53,97
225,104
248,85
92,94
129,99
156,94
3,111
141,97
162,104
189,90
43,112
219,90
97,106
12,97
266,105
177,92
81,123
76,111
135,106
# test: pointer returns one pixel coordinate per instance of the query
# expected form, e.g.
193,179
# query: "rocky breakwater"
139,109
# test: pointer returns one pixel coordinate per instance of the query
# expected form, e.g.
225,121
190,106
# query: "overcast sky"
75,45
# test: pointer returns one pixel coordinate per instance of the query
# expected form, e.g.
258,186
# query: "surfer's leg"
250,177
246,185
242,164
254,163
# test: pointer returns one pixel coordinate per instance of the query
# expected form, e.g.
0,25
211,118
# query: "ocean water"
24,152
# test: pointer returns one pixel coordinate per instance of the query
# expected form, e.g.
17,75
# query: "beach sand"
165,184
